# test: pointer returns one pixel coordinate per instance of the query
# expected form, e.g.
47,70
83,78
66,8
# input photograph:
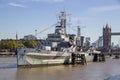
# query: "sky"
25,16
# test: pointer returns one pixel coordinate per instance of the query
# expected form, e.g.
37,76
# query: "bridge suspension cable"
45,29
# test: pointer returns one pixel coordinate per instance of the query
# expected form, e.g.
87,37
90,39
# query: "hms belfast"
58,53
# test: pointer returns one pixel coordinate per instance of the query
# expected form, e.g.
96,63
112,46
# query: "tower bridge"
107,37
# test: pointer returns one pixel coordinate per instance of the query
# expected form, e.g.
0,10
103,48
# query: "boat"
59,52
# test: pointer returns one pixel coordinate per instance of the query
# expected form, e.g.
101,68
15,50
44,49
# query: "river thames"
91,71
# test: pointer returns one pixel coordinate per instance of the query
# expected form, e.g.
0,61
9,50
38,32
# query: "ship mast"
61,25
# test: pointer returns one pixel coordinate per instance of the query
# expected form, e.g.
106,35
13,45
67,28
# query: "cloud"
56,1
105,8
16,5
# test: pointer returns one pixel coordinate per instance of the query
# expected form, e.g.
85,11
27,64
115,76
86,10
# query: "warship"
60,50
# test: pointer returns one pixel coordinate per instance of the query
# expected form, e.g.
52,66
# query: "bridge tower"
106,38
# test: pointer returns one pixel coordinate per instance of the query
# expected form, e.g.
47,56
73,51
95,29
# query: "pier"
99,57
78,58
7,53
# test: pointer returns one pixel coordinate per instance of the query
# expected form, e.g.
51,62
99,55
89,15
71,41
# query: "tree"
11,44
30,43
20,44
2,45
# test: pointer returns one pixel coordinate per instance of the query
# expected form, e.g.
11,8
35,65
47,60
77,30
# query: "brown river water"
91,71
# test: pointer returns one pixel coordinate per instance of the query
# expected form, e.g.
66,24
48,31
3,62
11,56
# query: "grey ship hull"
28,58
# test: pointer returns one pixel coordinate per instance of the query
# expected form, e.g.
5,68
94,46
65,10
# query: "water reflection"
91,71
44,73
8,62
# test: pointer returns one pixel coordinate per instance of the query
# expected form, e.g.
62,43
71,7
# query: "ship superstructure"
60,34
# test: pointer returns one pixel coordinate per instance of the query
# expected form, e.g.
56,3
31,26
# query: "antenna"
35,33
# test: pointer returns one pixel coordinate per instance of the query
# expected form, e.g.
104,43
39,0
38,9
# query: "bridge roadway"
115,33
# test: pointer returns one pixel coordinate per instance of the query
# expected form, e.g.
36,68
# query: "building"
98,43
30,37
87,39
82,41
87,42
